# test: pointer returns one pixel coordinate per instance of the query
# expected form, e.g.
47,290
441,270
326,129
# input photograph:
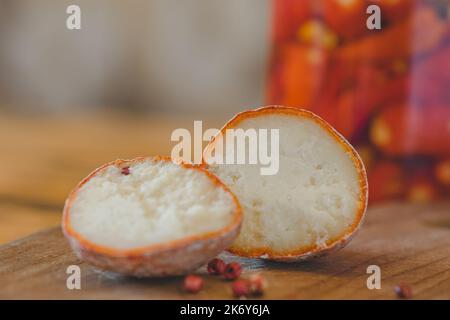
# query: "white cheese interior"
313,198
155,203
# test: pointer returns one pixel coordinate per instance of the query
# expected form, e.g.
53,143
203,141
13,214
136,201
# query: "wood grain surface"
410,243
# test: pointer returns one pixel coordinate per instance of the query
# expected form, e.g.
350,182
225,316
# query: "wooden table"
42,159
409,243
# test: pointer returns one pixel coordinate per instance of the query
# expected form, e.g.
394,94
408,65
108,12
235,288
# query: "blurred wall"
195,55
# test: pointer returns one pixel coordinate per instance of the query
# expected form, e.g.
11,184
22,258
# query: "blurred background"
142,56
71,100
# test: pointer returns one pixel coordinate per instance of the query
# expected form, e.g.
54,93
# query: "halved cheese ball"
313,204
150,217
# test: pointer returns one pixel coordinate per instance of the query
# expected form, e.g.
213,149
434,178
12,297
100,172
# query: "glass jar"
386,90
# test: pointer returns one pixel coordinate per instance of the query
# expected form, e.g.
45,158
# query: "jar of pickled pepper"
387,89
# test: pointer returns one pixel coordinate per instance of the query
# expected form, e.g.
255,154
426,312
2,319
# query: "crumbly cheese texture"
157,202
313,198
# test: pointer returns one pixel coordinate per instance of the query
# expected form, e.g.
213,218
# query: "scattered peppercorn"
216,267
193,283
257,284
253,286
232,271
126,171
241,288
403,291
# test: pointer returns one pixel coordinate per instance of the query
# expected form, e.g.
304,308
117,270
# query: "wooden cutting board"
410,243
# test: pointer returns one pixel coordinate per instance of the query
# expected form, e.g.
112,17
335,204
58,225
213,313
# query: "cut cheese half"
150,217
312,205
